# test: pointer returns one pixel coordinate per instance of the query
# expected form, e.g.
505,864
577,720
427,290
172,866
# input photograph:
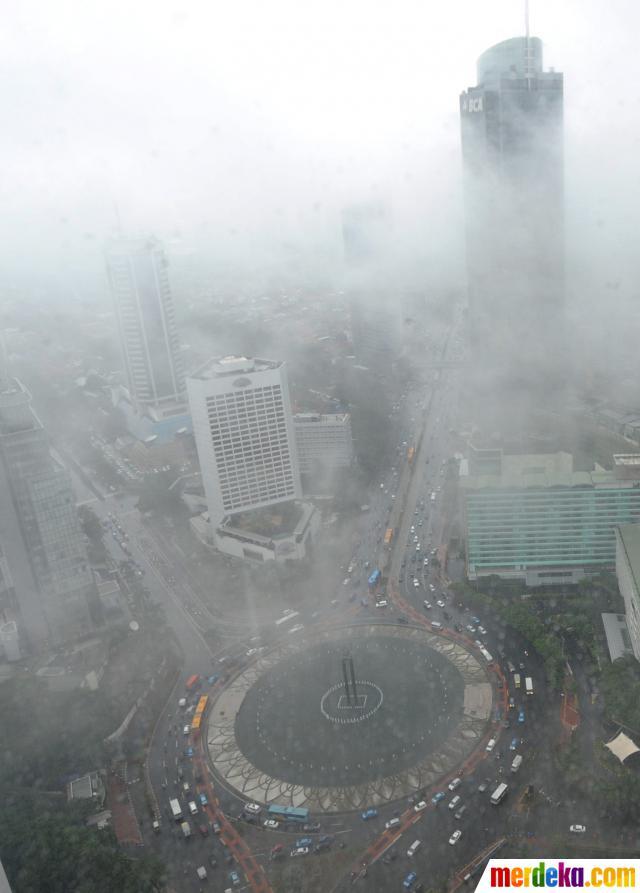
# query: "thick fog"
238,131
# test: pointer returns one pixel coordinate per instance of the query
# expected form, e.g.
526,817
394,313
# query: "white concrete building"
324,442
628,574
243,428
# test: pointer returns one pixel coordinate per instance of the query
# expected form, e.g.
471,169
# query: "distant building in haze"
374,304
512,148
43,543
139,281
324,443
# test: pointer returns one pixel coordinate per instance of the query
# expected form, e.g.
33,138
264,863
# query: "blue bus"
288,813
374,579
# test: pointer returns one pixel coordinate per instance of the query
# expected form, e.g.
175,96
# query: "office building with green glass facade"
537,520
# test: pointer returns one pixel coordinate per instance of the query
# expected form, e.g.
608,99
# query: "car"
409,881
491,743
420,523
458,815
438,797
482,787
454,784
346,581
440,603
476,620
215,826
186,730
427,605
186,787
392,823
432,588
471,629
303,841
213,862
521,716
369,814
416,583
454,801
271,823
577,829
419,807
204,830
514,744
455,837
188,751
203,799
277,851
251,652
382,603
512,703
482,630
300,851
213,679
234,878
521,665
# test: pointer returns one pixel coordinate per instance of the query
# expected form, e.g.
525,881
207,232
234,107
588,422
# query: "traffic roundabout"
357,716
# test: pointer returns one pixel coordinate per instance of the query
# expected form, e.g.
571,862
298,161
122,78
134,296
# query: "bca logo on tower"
472,104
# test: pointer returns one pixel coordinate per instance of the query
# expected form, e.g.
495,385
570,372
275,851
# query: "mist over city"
319,446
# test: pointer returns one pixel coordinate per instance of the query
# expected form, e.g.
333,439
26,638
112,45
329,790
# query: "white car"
271,823
577,829
455,837
482,631
419,807
382,603
346,581
300,851
441,604
416,583
392,823
431,586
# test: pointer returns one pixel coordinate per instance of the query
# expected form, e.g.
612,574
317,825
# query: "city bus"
499,794
287,618
388,536
288,813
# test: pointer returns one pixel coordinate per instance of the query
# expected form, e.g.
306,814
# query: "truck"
176,809
499,794
516,680
186,830
528,684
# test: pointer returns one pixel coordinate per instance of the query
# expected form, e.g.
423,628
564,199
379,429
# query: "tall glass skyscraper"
512,148
137,270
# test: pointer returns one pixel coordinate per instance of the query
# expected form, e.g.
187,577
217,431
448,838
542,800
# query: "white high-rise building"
137,270
243,430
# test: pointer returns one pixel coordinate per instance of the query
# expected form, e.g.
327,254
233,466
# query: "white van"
517,762
193,809
455,783
490,745
436,625
415,846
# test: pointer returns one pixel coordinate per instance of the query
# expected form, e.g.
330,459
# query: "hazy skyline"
247,126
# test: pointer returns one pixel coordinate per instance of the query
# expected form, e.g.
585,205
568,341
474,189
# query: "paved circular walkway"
422,704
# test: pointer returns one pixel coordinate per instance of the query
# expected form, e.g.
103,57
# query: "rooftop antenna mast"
527,49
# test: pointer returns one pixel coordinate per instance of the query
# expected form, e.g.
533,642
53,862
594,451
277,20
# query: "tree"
52,850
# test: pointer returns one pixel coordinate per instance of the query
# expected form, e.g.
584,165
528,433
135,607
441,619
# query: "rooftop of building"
272,521
221,367
542,470
629,535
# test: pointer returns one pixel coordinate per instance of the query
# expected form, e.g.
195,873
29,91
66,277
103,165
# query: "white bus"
499,793
528,684
287,617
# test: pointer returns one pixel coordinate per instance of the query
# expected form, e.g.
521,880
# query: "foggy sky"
241,126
